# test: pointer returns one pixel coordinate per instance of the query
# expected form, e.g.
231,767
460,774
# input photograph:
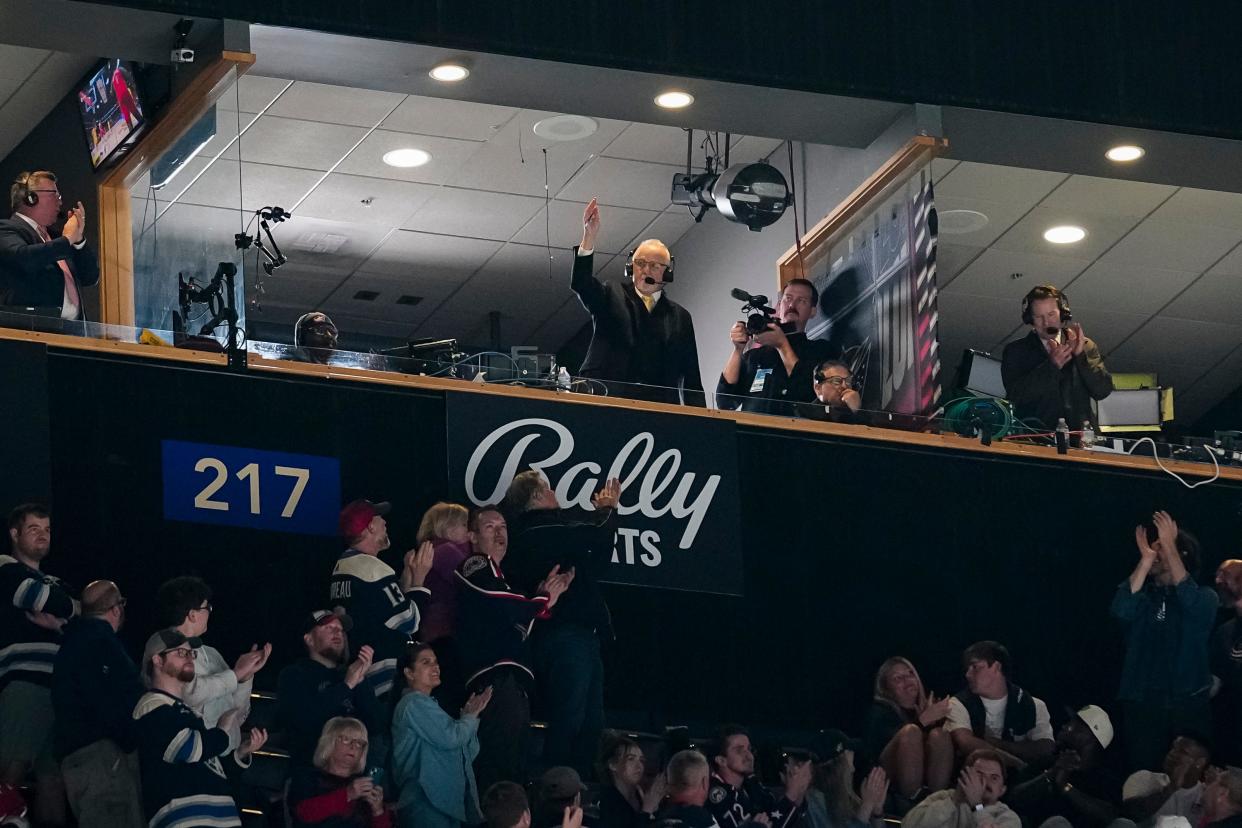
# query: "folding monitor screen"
982,373
1130,410
112,111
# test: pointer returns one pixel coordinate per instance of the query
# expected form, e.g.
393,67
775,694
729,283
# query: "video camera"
760,314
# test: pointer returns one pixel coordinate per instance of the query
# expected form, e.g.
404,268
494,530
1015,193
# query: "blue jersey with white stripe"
26,649
183,764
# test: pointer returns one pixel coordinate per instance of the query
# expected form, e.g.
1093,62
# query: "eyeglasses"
183,652
644,264
205,607
351,741
53,192
120,602
837,381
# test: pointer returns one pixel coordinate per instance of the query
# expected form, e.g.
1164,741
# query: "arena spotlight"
754,194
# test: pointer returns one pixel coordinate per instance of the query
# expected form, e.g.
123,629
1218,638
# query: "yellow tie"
648,301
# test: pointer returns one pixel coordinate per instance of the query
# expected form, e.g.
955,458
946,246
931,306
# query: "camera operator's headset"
1046,292
28,196
820,376
668,271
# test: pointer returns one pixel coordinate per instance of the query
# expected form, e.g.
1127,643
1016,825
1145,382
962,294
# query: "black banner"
679,489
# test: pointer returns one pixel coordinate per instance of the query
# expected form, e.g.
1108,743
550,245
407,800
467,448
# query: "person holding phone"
335,792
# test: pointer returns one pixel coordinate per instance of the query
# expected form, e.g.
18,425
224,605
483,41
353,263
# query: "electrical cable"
794,203
1155,453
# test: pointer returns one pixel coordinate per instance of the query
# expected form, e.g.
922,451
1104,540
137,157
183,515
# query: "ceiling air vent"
366,295
409,300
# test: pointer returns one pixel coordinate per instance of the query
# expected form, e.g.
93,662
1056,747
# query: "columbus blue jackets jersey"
26,649
734,807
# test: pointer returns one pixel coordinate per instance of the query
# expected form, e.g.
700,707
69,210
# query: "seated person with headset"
315,338
1055,371
39,274
837,400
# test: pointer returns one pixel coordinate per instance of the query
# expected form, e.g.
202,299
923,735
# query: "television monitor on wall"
112,110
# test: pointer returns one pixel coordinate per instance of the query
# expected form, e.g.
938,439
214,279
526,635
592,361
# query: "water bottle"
562,379
1062,434
1088,434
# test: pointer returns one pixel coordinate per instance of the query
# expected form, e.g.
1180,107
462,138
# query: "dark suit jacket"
1039,391
29,273
630,345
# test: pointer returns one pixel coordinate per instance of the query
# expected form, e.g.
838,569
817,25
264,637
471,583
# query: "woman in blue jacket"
432,752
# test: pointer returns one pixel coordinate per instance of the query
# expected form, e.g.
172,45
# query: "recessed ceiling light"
1125,152
1065,234
961,221
565,127
406,157
449,72
674,100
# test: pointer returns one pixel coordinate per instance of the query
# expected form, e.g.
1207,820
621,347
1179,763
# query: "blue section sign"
252,488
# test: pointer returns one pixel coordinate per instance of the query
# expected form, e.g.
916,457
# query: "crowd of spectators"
412,702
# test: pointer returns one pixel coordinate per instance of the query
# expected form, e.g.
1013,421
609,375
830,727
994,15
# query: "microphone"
1052,330
649,281
740,295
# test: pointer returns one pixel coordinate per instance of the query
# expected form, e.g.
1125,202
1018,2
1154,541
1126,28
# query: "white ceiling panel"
1001,216
1179,341
562,323
1109,285
951,259
668,227
990,274
754,148
1212,298
20,61
1192,402
618,226
261,185
328,244
940,168
1107,328
474,213
1173,245
1103,231
443,258
1193,206
447,157
620,183
659,144
512,162
1107,196
978,322
516,280
288,142
362,200
994,183
9,85
1230,265
335,104
253,93
448,118
385,306
299,285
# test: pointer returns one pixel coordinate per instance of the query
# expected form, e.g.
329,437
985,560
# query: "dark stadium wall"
854,550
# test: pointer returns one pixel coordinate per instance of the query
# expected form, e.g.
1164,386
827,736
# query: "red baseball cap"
356,516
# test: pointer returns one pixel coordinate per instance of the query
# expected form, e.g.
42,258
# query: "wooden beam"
817,242
116,229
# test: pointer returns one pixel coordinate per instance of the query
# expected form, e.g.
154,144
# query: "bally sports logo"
652,484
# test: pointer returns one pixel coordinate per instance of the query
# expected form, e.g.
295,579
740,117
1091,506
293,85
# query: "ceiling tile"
942,167
447,156
518,281
978,322
475,213
385,306
1179,341
651,142
20,61
444,258
1212,298
1107,328
951,259
989,275
1000,215
1173,245
753,148
1230,265
618,226
1111,285
1103,231
253,93
300,285
993,182
173,189
9,85
328,244
668,227
621,183
511,162
335,104
1193,206
449,118
306,144
1221,380
262,186
364,200
1107,196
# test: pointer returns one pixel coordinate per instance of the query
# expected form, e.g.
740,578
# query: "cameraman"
769,370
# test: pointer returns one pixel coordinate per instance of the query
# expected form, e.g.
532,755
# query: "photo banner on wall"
878,303
678,524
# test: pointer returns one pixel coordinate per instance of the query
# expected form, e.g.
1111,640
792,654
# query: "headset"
29,197
1046,292
668,271
820,376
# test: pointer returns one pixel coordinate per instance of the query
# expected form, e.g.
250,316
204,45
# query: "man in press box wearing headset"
1055,371
642,345
40,274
